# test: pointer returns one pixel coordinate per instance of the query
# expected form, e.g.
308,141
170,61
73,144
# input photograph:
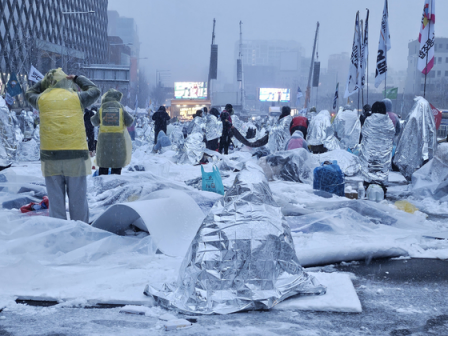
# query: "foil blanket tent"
242,257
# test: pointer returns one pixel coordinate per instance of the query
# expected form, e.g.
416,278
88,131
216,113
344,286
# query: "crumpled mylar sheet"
242,258
418,141
193,149
279,135
349,163
199,125
177,138
291,165
214,127
347,128
320,131
240,126
377,145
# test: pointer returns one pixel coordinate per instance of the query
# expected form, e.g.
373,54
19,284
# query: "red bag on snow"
35,206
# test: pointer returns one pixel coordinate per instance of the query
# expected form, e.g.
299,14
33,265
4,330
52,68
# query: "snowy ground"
77,265
399,298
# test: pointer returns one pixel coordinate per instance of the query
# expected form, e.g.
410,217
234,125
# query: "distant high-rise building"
438,76
337,70
38,33
126,29
271,64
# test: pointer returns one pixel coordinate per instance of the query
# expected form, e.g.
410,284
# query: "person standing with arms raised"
65,160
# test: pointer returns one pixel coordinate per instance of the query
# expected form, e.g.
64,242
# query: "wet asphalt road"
399,298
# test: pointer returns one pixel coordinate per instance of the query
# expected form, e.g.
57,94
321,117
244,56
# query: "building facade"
38,33
271,64
109,76
126,30
437,77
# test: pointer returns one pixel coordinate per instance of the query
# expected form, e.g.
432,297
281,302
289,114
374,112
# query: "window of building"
446,59
99,74
440,46
109,75
445,73
432,74
120,75
440,59
439,73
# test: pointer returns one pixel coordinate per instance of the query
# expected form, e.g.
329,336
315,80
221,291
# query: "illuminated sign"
274,95
190,90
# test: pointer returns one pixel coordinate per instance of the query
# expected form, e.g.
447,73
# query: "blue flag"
335,97
13,87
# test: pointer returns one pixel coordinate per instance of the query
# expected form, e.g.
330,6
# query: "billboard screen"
189,90
274,95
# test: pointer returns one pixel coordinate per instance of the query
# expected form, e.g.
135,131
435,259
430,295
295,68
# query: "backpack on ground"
329,178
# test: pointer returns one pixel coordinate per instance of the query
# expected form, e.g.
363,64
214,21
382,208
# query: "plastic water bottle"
361,191
375,193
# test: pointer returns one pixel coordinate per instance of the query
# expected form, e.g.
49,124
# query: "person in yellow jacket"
114,145
65,160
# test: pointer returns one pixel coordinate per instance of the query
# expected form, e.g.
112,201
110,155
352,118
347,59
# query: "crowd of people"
69,134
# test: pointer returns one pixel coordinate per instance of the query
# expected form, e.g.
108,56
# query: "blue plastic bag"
212,181
329,178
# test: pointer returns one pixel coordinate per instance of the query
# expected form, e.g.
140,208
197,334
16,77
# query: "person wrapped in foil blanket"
242,257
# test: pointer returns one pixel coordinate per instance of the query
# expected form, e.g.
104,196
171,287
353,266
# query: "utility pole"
242,83
209,76
311,68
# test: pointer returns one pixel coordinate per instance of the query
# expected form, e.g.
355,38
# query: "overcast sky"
176,35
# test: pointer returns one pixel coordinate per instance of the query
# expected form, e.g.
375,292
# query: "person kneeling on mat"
114,145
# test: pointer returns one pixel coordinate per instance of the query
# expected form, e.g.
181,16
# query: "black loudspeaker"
213,61
316,74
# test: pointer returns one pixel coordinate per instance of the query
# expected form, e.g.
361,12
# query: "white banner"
427,38
353,85
364,53
384,45
34,75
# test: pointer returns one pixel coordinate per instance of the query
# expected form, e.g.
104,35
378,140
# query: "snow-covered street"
399,297
81,266
224,168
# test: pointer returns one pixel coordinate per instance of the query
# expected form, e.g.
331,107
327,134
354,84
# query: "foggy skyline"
176,35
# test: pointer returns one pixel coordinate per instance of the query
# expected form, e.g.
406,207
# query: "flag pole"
361,61
358,100
367,74
427,55
385,48
367,79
